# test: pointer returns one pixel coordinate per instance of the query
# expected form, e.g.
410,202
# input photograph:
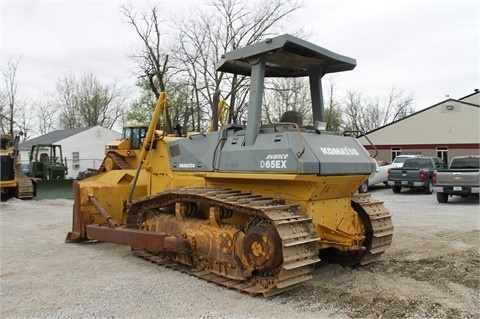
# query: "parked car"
379,176
460,179
416,172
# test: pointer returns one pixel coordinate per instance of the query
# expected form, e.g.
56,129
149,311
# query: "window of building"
395,152
76,160
442,152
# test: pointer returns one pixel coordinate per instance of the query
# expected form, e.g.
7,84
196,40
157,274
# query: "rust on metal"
111,222
138,238
78,226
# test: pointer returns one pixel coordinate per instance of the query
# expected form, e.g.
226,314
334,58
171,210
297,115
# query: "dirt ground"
430,271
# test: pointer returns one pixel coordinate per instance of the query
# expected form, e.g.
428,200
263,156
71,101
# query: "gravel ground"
431,270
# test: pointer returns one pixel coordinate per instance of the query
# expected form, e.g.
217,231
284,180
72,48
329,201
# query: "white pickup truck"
379,176
460,179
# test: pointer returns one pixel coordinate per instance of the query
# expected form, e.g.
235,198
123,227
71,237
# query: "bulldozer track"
378,221
119,161
298,237
24,185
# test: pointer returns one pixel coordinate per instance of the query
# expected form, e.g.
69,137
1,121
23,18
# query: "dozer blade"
54,189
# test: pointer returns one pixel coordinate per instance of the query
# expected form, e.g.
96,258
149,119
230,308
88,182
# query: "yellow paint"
326,199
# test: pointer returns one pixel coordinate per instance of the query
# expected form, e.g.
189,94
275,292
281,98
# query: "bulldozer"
14,182
251,207
48,171
46,162
123,153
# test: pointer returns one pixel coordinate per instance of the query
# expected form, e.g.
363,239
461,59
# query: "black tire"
397,189
428,189
363,188
442,197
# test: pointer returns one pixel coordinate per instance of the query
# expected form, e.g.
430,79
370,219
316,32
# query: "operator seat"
292,117
44,157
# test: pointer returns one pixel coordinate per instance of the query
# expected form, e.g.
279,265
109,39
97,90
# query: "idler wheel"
110,164
263,247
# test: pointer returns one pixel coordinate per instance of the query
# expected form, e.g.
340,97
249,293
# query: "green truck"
416,173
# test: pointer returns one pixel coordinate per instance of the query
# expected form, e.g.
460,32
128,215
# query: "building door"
395,151
442,152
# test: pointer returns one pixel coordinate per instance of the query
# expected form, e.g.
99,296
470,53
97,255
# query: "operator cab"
284,56
135,134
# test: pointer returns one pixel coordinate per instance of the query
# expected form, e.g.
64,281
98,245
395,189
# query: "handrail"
297,128
361,133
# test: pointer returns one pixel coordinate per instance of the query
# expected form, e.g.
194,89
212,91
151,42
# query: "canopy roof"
286,56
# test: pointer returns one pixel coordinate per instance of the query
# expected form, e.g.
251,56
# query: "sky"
429,49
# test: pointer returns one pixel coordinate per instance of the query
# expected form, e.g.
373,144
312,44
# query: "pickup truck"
400,159
416,172
460,179
379,176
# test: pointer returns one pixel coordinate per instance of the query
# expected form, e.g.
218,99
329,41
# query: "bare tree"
398,105
152,61
333,114
287,94
86,102
66,102
9,97
366,115
4,123
202,37
45,111
206,34
352,111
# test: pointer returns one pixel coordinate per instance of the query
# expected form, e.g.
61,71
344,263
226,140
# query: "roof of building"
426,109
52,137
476,91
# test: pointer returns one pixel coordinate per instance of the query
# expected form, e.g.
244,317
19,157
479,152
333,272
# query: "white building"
84,148
446,129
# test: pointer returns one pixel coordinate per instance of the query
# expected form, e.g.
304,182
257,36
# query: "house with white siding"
84,148
447,129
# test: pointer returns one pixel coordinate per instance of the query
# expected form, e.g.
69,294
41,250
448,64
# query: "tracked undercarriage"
25,188
246,206
112,161
248,243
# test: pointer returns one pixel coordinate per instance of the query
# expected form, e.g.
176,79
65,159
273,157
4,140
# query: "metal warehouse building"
446,129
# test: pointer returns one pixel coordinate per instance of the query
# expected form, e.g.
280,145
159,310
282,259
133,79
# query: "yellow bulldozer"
251,207
13,182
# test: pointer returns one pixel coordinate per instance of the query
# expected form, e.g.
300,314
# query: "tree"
86,102
150,58
45,111
10,95
366,115
287,94
206,34
333,114
13,109
202,37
